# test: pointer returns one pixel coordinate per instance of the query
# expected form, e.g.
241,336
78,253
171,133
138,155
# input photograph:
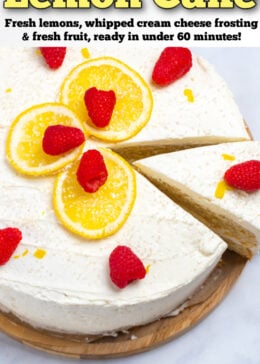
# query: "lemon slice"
133,96
100,214
24,142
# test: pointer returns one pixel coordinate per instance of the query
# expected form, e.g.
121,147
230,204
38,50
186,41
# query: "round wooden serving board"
137,339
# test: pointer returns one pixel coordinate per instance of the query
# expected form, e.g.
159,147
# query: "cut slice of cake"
194,179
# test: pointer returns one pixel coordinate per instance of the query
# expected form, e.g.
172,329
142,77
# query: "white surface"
230,334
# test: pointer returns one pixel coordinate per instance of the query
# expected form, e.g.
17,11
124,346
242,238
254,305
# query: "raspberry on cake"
53,56
244,176
9,239
125,266
100,105
173,63
59,139
92,171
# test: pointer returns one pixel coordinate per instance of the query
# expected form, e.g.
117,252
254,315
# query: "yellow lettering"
14,4
40,4
167,4
59,4
125,4
225,4
102,4
71,4
245,4
191,4
84,4
213,4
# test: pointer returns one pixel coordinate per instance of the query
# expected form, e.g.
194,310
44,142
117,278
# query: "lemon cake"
67,272
195,180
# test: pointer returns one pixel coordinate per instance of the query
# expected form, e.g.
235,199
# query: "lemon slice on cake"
24,142
133,96
99,214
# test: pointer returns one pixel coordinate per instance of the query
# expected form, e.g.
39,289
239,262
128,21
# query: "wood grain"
137,339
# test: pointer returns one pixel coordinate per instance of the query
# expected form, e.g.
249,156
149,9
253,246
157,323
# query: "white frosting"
201,169
69,290
213,116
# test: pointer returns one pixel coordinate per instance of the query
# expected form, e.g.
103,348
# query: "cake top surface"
197,105
71,263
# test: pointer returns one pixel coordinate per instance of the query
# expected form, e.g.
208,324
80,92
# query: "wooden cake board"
137,339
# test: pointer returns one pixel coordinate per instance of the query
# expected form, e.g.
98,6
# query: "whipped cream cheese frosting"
196,109
197,175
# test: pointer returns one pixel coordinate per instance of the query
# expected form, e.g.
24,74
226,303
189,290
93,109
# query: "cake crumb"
133,337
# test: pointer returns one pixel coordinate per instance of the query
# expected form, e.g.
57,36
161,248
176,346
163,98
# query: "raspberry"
92,172
9,239
125,266
100,105
60,139
54,56
244,176
173,63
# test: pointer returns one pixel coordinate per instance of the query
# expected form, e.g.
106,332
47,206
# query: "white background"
230,334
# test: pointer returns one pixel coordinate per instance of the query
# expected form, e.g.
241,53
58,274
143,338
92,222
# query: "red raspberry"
60,139
92,171
100,105
125,266
173,63
9,239
244,176
54,56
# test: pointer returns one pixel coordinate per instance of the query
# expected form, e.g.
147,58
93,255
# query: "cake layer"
191,178
198,109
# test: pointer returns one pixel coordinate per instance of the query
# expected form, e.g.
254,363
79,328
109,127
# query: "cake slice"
194,179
